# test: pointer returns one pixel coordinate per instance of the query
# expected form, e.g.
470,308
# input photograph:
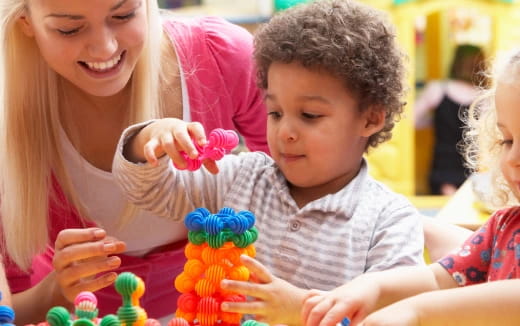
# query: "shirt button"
294,225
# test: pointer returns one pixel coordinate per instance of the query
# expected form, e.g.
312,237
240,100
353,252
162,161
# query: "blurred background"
430,32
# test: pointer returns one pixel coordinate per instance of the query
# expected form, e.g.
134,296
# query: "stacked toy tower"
216,242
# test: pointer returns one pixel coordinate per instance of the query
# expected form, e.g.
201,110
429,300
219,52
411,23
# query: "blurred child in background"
442,104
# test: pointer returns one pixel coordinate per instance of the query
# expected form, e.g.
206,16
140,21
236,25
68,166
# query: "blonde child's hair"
30,152
482,137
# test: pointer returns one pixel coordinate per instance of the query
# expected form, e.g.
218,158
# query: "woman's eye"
125,17
506,142
68,32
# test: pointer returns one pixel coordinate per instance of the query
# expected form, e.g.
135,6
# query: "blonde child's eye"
68,32
505,142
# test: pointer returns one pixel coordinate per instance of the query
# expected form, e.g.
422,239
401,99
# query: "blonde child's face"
507,102
315,131
93,44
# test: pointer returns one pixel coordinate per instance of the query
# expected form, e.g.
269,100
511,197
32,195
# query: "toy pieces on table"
128,285
220,142
131,288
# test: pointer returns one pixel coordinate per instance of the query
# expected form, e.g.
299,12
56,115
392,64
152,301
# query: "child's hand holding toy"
276,301
184,142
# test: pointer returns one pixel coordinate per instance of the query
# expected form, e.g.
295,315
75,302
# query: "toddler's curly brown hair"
352,41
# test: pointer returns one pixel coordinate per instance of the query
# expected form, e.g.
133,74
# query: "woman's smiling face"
93,44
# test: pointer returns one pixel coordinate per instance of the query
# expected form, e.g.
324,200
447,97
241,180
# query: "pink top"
216,58
491,253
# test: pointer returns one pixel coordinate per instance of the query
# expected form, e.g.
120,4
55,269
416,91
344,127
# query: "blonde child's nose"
514,154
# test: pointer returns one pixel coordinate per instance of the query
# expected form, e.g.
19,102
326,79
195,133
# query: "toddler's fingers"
197,132
249,307
184,142
246,288
261,272
309,302
171,147
68,237
211,166
335,315
316,314
152,150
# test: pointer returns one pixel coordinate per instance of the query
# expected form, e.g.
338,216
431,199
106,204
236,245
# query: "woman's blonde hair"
29,128
482,137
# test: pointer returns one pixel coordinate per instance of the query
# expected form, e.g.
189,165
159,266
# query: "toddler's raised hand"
172,137
80,255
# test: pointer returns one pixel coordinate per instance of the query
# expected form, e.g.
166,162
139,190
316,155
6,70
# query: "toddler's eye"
311,115
274,114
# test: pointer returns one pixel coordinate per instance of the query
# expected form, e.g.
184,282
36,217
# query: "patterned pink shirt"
491,253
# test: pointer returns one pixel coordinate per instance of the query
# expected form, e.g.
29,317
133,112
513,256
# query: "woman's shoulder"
210,31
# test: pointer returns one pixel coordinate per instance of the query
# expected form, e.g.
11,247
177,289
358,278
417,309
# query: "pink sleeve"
216,58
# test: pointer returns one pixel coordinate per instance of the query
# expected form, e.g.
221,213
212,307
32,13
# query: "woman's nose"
102,44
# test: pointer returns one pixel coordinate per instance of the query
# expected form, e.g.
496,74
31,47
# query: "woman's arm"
32,305
4,286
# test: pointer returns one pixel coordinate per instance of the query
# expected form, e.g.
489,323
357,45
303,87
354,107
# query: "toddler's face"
315,131
507,102
93,44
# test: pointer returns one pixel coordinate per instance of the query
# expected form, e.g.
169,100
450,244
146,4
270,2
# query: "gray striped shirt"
364,227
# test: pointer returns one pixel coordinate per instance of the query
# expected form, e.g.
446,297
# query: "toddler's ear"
374,120
26,25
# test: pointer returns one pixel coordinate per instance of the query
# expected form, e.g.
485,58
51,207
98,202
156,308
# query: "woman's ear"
374,120
26,25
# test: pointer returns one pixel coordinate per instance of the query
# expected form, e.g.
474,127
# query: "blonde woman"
74,75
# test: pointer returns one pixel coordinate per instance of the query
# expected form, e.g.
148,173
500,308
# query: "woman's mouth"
103,67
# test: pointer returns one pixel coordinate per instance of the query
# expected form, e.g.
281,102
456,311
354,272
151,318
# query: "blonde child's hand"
354,300
276,301
168,136
79,255
401,313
